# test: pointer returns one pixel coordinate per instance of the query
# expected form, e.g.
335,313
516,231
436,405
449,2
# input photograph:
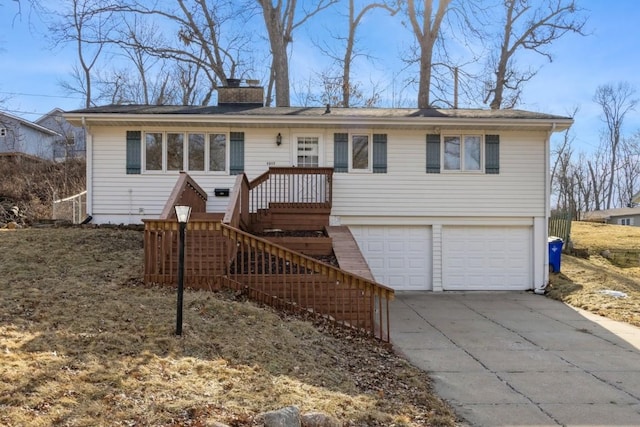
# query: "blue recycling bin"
555,253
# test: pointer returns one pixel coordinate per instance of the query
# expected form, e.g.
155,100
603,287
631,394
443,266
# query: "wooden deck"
348,253
222,252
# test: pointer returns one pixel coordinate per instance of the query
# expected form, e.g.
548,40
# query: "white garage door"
399,256
487,258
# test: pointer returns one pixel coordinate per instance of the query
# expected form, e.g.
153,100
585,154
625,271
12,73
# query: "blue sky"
30,69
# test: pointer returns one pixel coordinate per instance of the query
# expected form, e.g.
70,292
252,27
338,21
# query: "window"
463,153
365,156
308,151
625,221
196,152
360,152
153,151
217,152
175,151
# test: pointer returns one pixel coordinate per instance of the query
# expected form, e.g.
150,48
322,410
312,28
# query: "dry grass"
83,343
582,281
31,186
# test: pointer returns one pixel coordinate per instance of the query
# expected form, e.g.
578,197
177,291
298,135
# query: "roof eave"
555,124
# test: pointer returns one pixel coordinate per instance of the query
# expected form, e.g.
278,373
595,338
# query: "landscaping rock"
285,417
318,419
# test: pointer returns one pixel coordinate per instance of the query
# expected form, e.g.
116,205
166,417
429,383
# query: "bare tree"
280,21
615,101
87,24
564,147
206,39
599,173
529,26
350,53
425,25
336,81
331,91
628,170
583,187
140,35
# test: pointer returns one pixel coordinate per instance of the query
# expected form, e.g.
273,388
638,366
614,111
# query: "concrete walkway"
520,359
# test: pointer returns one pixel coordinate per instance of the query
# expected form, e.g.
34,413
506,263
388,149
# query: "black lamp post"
182,213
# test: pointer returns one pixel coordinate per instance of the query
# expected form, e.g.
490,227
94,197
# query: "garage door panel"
487,258
398,256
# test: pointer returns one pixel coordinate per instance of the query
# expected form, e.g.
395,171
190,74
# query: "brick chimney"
235,94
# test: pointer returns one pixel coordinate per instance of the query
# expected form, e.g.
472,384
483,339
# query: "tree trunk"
278,42
426,34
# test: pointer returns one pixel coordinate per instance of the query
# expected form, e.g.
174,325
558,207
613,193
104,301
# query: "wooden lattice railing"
219,256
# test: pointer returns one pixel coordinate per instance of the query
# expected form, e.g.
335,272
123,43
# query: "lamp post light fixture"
182,213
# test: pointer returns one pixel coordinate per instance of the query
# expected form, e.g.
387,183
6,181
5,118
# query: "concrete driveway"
520,359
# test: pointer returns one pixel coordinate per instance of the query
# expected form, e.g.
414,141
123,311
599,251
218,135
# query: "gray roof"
25,122
257,116
258,111
609,213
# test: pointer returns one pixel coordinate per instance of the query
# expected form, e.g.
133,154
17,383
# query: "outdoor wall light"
182,213
279,139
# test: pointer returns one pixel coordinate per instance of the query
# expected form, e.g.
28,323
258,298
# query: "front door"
308,187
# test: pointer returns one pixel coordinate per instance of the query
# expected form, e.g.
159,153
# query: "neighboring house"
436,199
620,216
18,135
70,142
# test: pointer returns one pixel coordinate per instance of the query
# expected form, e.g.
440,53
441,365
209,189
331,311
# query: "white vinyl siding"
121,198
406,190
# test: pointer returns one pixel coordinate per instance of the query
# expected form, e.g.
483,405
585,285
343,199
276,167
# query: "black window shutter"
492,154
134,148
380,153
433,153
236,153
341,152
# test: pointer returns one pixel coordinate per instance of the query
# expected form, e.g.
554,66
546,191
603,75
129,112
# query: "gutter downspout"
547,209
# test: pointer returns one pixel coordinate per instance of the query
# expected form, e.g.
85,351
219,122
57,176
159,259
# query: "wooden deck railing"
237,213
220,256
185,192
292,187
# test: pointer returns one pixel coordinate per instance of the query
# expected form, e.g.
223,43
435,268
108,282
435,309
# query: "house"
619,216
436,199
70,140
18,135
